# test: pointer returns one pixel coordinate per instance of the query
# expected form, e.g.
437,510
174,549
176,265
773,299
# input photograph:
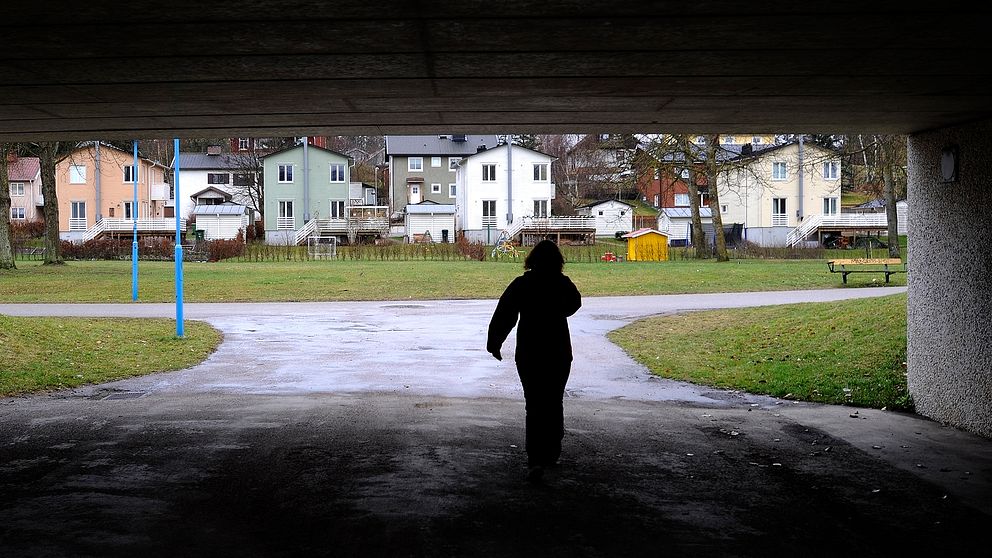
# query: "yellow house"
647,245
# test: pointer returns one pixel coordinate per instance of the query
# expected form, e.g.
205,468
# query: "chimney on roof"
458,137
480,148
213,150
746,149
11,157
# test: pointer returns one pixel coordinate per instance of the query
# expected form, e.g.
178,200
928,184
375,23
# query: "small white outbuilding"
220,221
612,216
436,218
676,222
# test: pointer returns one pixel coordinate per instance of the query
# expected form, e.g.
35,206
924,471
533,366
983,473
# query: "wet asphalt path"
384,429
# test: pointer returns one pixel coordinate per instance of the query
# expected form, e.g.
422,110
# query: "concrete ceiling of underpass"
102,69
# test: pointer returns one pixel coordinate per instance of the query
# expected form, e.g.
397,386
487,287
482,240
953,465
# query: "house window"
337,209
129,175
540,208
657,200
729,140
452,190
779,218
681,200
415,190
16,189
540,172
489,213
700,140
77,174
724,208
243,144
657,174
286,218
415,164
489,172
830,206
285,173
684,174
77,216
220,178
778,171
453,163
17,213
337,172
436,162
831,170
756,140
435,188
241,180
600,213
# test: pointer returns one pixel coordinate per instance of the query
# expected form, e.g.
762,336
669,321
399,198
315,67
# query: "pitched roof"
23,169
438,145
312,146
514,145
642,232
223,194
202,161
595,203
686,212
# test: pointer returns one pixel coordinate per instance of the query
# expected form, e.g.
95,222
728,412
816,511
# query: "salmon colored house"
95,188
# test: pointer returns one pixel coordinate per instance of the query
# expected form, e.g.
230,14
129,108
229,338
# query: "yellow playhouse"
647,245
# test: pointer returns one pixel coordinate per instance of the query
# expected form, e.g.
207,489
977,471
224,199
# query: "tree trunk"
712,170
891,212
6,249
53,250
698,236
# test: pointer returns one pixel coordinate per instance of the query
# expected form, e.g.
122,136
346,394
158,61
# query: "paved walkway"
385,429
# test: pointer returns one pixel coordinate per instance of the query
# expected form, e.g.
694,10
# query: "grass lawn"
850,352
110,281
56,353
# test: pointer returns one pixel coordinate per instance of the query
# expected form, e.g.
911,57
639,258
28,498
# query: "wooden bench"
866,265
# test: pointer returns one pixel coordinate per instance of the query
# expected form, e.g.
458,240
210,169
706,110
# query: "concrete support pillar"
950,284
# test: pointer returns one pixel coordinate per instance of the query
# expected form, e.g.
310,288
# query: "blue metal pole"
134,220
179,246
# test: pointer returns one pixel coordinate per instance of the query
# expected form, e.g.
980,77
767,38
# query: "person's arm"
503,320
571,299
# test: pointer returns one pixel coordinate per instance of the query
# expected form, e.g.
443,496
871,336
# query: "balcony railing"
286,223
77,224
780,220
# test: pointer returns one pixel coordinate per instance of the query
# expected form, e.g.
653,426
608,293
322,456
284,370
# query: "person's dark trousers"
544,387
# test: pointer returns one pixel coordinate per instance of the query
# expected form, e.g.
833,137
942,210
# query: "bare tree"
879,169
249,180
712,166
50,154
6,249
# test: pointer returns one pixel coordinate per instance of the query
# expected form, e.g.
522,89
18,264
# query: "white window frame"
541,172
729,140
128,169
485,167
724,209
17,189
779,218
285,172
684,198
337,210
77,223
341,169
211,180
452,190
435,162
831,170
700,140
489,220
541,207
411,167
436,188
77,174
684,174
776,165
453,163
127,210
17,213
286,220
831,205
244,144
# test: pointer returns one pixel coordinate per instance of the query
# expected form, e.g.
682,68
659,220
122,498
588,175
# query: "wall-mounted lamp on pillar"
949,163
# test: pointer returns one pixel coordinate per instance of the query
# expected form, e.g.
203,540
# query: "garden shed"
436,218
647,245
221,221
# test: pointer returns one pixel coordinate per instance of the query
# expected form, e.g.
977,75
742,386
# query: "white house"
221,221
499,188
612,216
225,172
430,217
676,222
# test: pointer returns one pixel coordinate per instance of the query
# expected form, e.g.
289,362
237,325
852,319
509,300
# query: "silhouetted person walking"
543,298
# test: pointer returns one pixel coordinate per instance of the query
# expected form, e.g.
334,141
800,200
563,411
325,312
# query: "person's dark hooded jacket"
542,300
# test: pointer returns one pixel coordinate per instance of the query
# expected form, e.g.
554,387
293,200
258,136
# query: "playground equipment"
504,246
